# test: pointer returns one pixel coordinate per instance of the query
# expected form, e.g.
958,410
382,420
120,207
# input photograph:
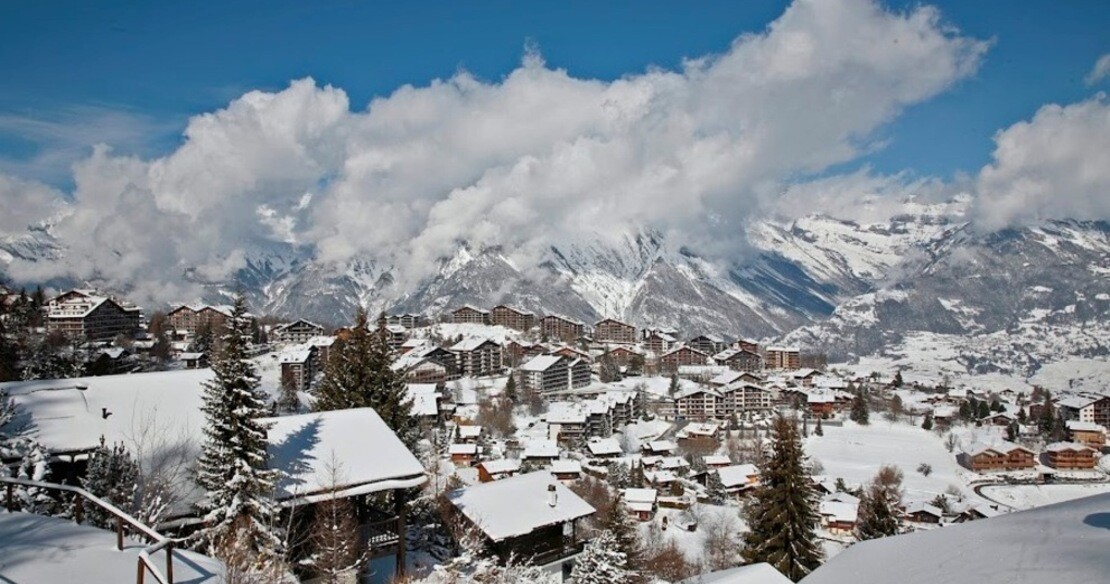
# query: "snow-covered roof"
783,349
603,446
370,456
751,574
717,460
470,344
68,419
564,465
467,431
840,510
661,446
49,550
541,363
640,495
424,399
541,448
737,475
297,354
518,505
1084,426
1066,542
462,449
501,465
565,413
1065,446
923,507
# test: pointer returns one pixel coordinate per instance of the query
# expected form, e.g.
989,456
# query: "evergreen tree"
672,389
818,430
783,514
1048,415
9,354
860,412
113,476
288,400
510,392
619,522
878,506
636,477
1012,431
636,364
927,423
984,410
898,379
608,371
714,488
358,375
619,475
602,562
1022,417
238,509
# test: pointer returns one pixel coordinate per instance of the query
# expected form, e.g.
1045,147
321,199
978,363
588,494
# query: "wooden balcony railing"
158,542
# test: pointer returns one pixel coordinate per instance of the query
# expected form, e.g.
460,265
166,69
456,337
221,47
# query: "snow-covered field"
855,453
1029,496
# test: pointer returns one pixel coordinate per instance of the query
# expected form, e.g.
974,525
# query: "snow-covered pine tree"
619,475
714,488
335,541
113,476
608,371
619,522
878,505
602,562
860,412
238,509
510,392
34,465
783,515
358,375
288,400
818,430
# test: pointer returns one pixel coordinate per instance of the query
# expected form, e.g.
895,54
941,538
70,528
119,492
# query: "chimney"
552,496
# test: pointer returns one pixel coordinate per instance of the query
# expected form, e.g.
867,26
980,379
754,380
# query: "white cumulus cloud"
1100,71
1054,166
522,163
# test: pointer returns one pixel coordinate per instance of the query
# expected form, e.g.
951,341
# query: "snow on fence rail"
160,542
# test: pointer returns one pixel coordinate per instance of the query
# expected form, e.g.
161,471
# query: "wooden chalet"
510,317
1070,456
785,358
708,344
739,360
670,361
1087,433
477,357
296,332
1005,456
530,517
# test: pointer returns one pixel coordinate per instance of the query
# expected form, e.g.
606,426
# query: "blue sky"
131,73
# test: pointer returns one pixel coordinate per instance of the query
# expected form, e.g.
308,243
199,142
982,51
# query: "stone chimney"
552,496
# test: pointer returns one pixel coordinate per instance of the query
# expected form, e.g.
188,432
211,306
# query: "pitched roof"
518,505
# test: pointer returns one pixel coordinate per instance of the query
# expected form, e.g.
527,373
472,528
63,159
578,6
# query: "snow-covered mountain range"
1004,301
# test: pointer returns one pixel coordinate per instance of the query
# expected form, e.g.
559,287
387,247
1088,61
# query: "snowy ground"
855,453
1028,496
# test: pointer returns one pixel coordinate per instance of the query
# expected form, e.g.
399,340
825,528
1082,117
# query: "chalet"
478,357
428,364
408,321
516,352
659,447
1087,433
657,342
641,503
194,318
604,448
194,360
463,454
700,373
540,451
708,344
746,345
571,353
660,478
566,470
700,431
920,512
562,328
733,376
614,331
87,315
323,345
1003,456
1101,413
1000,419
544,373
787,358
805,377
510,317
839,514
717,461
297,367
426,400
738,478
1070,456
467,434
821,403
568,419
739,360
1078,408
530,517
296,332
470,315
670,361
623,356
495,470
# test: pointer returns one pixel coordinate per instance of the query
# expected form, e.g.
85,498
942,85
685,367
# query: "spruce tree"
238,508
782,516
358,375
714,488
608,371
510,392
619,475
619,522
113,476
818,430
927,423
672,389
860,412
602,562
288,400
878,508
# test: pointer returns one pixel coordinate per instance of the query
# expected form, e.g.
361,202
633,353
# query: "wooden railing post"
169,562
78,508
141,576
119,533
9,501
